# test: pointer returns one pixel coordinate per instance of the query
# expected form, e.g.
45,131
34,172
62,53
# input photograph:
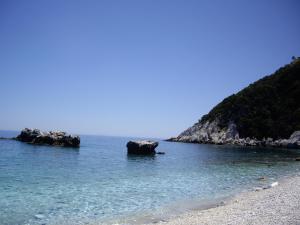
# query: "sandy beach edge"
275,205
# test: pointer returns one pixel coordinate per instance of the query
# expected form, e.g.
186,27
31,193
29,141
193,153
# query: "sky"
145,68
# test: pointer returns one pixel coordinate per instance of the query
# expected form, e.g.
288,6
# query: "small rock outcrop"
294,140
208,132
55,138
141,147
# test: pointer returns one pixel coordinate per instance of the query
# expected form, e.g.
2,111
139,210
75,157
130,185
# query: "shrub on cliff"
270,107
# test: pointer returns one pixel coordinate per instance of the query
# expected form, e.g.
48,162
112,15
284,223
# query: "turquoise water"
99,183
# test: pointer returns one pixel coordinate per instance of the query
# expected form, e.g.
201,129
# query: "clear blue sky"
135,68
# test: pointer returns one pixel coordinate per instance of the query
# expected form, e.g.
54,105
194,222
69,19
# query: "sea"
99,183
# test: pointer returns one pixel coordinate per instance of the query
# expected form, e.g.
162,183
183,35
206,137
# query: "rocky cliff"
265,113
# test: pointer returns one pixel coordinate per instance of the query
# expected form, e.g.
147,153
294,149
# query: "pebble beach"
274,205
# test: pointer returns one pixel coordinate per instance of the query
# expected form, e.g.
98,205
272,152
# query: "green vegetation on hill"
270,107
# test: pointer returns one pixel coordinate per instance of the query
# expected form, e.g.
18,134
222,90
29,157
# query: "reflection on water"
140,158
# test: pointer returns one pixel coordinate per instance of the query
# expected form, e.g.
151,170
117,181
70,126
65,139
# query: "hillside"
268,108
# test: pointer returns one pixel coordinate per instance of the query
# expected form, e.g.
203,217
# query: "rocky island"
55,138
143,147
266,113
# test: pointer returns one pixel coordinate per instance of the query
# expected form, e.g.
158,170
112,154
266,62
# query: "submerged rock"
56,138
141,147
160,153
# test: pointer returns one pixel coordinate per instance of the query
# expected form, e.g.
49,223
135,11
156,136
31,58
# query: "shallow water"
99,183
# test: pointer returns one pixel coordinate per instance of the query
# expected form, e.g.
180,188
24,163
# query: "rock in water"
294,140
160,153
56,138
141,147
295,137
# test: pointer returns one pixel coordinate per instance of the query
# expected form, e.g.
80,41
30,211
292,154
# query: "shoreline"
275,205
168,213
244,142
224,210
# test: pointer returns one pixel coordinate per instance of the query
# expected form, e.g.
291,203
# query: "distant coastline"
291,143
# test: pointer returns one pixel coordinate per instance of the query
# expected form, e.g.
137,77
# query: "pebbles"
39,216
274,184
272,206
